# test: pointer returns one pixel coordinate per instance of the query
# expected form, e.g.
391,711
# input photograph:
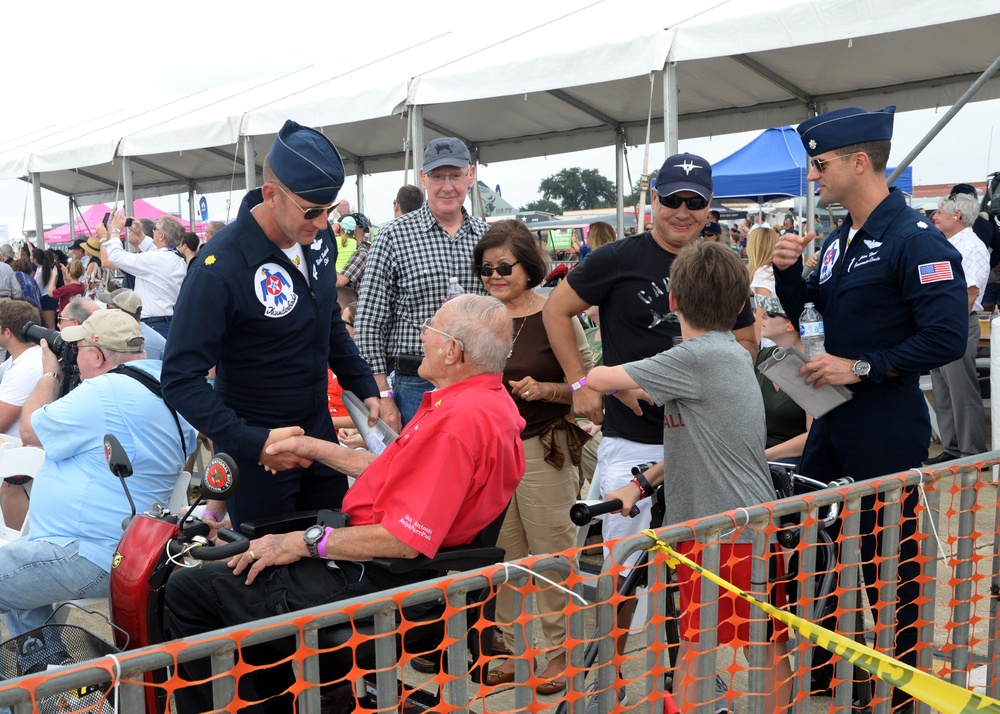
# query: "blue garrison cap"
307,163
845,127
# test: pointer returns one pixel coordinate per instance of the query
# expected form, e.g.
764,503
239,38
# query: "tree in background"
542,204
577,189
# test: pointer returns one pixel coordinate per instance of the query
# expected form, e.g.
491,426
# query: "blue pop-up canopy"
773,167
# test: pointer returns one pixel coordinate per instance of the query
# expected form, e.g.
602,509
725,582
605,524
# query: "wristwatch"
861,369
312,537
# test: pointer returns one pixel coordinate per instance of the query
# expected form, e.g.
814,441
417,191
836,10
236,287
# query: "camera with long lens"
33,332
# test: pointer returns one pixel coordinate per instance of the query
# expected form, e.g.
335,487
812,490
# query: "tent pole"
620,180
72,223
478,209
359,183
670,108
192,217
249,163
418,141
36,190
962,101
127,181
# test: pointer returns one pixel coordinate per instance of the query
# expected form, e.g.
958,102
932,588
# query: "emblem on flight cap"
812,143
688,167
210,260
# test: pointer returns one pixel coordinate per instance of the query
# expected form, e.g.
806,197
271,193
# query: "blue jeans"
408,391
35,574
161,326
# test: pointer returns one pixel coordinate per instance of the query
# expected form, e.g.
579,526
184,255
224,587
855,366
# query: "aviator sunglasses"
694,203
502,270
308,213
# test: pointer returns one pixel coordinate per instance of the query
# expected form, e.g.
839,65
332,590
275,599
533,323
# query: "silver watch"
312,537
862,369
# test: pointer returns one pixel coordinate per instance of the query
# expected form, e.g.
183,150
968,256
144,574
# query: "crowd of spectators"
431,298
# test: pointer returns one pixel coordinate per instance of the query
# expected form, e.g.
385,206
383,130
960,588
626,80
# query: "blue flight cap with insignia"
684,172
307,163
446,151
845,127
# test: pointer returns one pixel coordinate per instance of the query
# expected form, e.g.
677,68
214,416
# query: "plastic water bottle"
454,289
811,330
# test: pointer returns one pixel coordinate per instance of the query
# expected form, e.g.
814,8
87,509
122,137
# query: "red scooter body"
153,543
139,574
141,553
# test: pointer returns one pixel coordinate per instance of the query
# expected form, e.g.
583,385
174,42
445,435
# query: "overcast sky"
68,60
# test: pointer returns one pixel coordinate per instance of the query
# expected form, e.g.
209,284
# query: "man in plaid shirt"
406,277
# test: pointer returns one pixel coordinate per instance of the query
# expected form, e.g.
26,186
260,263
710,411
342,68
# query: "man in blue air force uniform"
260,304
892,294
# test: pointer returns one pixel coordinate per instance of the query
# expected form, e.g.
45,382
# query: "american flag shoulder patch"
934,272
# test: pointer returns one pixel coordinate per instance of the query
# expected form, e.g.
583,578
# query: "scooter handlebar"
236,543
583,512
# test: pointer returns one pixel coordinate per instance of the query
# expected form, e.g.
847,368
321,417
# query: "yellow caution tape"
943,696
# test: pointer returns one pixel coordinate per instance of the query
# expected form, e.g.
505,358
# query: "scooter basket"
52,646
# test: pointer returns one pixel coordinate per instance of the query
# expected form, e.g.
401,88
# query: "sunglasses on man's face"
311,213
694,203
503,270
773,315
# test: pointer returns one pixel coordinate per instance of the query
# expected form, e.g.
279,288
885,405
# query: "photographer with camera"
76,507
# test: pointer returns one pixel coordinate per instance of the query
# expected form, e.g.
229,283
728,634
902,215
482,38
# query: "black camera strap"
152,384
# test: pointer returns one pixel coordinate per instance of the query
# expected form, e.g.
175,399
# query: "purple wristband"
321,546
214,515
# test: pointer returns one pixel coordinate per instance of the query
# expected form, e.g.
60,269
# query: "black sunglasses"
502,270
773,315
694,203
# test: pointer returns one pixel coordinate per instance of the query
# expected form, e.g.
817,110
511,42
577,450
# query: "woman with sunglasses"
787,423
510,263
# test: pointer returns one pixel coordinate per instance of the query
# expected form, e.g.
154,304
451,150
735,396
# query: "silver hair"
484,326
80,308
966,206
118,358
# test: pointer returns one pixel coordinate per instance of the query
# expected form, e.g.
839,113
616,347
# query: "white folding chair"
18,461
179,496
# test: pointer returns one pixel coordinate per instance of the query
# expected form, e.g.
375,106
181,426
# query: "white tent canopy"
574,83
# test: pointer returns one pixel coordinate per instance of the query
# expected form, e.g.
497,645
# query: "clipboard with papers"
782,367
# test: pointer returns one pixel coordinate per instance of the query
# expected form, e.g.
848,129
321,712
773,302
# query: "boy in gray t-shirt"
713,440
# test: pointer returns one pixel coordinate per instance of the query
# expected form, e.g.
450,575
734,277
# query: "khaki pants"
538,523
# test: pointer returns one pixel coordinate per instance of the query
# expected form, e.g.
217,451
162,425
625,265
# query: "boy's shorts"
735,563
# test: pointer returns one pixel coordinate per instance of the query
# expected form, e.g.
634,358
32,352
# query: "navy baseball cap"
447,151
712,228
964,188
845,127
307,163
684,172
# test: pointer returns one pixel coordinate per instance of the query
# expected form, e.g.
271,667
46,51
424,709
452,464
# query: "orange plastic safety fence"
955,633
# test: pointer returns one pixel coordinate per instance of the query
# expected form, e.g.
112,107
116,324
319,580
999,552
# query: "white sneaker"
721,690
592,705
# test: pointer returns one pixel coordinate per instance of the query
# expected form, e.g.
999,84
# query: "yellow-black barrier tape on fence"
943,696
